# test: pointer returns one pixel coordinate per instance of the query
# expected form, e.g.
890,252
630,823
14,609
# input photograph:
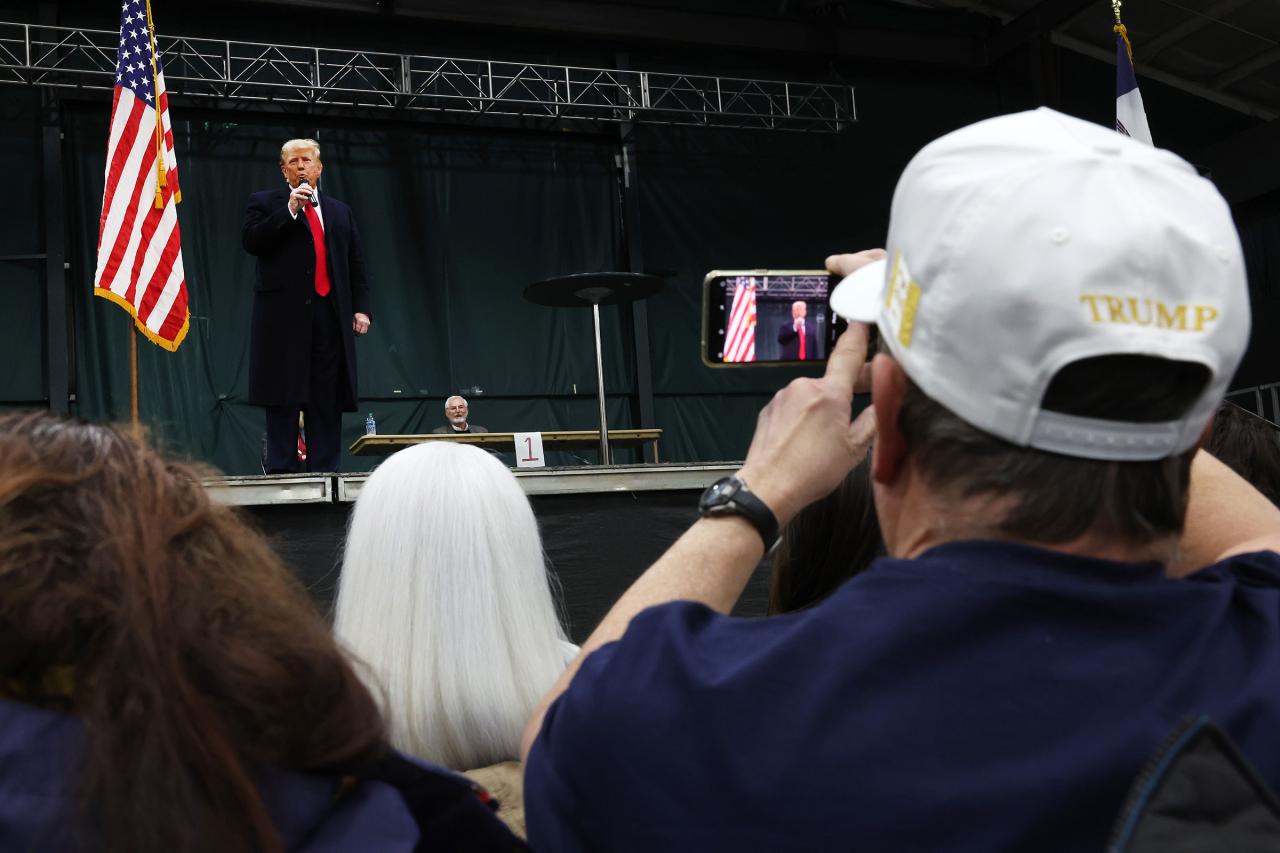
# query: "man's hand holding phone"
805,441
848,264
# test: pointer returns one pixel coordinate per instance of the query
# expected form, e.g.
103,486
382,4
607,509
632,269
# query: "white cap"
1023,243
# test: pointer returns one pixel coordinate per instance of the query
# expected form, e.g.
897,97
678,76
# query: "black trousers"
323,409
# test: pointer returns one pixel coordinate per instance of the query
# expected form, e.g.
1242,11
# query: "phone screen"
763,317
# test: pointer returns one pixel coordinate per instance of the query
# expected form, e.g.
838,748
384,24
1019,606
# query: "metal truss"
288,74
1253,400
785,287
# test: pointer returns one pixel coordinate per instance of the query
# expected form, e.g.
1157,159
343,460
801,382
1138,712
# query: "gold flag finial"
1121,30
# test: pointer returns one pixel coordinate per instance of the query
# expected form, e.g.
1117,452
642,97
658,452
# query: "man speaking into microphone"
310,300
799,340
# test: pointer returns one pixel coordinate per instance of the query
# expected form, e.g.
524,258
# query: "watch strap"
732,496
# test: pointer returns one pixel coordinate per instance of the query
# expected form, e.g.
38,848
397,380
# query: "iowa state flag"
1131,117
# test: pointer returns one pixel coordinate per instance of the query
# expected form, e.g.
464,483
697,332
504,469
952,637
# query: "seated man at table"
455,412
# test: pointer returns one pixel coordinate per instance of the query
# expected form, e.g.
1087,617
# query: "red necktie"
802,340
322,268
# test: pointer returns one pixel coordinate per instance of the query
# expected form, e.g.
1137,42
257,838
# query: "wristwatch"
730,496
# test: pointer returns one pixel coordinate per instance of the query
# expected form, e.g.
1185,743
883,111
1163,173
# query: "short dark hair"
827,543
1058,498
1250,446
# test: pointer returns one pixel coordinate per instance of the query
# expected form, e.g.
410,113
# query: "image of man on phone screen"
799,340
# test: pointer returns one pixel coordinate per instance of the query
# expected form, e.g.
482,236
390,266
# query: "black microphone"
315,202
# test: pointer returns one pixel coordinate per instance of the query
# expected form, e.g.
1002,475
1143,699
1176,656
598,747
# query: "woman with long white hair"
445,597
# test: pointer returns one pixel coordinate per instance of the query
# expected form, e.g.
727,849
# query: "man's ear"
888,387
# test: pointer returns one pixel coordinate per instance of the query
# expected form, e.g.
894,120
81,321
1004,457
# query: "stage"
601,526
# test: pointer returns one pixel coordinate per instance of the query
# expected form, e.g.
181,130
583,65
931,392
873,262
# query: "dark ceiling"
1224,53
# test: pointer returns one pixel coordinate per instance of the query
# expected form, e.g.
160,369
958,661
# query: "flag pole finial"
1121,30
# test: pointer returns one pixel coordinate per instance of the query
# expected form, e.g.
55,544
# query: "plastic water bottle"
370,425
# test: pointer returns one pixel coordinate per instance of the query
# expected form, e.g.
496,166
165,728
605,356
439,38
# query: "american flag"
1131,116
740,339
139,247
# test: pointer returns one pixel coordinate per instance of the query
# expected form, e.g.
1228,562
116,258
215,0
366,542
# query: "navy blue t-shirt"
983,696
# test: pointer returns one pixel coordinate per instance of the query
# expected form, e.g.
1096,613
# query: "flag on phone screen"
740,337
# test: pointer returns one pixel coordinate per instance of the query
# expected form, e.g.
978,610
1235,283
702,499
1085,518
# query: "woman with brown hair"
166,684
827,543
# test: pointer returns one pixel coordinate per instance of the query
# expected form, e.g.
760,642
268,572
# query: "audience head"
456,410
827,543
169,628
1250,446
1063,308
445,596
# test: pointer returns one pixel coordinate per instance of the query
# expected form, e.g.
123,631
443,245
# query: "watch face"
718,494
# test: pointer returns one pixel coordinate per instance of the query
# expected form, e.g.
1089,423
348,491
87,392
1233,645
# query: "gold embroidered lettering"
893,278
909,314
1093,306
1175,320
1205,314
1115,308
1144,311
1136,315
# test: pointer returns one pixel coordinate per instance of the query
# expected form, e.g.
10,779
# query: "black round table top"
593,288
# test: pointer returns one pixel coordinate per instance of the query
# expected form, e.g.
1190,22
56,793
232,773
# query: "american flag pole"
161,181
139,257
135,418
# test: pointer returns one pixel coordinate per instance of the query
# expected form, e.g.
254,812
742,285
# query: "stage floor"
601,526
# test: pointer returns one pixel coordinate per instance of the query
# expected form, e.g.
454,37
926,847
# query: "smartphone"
758,318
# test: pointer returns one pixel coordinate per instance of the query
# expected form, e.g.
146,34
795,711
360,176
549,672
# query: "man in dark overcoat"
798,338
310,300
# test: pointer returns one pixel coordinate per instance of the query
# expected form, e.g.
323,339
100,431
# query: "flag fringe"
1123,32
171,346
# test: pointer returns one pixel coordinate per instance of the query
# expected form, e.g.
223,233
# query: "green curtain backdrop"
22,322
455,224
743,199
457,221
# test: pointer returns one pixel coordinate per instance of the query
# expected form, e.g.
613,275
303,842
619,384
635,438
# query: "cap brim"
857,297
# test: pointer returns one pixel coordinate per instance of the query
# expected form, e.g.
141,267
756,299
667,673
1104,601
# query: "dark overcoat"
790,340
280,335
391,804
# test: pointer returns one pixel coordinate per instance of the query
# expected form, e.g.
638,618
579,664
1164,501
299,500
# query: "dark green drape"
456,222
22,322
737,199
455,225
458,219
